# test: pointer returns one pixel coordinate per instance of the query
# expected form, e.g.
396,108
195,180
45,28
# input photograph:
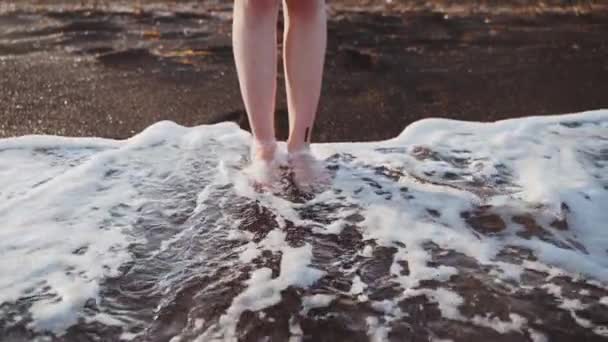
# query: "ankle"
293,148
263,150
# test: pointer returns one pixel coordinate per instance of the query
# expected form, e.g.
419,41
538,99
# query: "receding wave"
451,231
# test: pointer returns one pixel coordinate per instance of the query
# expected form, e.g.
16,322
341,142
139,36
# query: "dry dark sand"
112,69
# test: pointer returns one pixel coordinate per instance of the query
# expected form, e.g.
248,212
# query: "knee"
257,7
304,9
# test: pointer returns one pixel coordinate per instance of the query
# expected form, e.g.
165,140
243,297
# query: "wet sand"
112,69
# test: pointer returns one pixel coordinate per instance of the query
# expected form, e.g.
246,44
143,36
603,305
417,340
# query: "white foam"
447,300
69,204
358,286
537,336
367,251
333,228
499,325
376,331
316,301
264,291
295,330
250,252
572,306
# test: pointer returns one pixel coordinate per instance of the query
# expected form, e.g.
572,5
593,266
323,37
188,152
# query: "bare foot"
262,168
263,151
308,171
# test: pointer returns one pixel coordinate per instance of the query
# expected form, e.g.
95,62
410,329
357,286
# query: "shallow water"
452,230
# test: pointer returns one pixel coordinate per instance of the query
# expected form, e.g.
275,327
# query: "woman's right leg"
255,52
303,56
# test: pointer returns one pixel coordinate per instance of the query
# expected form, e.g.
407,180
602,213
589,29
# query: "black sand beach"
110,69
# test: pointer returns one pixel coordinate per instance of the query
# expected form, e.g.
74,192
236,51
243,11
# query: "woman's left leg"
304,45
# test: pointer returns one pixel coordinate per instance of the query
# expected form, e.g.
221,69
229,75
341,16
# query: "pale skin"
255,46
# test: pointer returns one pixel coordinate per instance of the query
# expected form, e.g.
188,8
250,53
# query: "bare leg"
304,52
303,57
254,42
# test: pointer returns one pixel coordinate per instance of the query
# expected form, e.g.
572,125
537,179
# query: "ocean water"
164,236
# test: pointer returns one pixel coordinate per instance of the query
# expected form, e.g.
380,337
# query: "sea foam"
79,213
